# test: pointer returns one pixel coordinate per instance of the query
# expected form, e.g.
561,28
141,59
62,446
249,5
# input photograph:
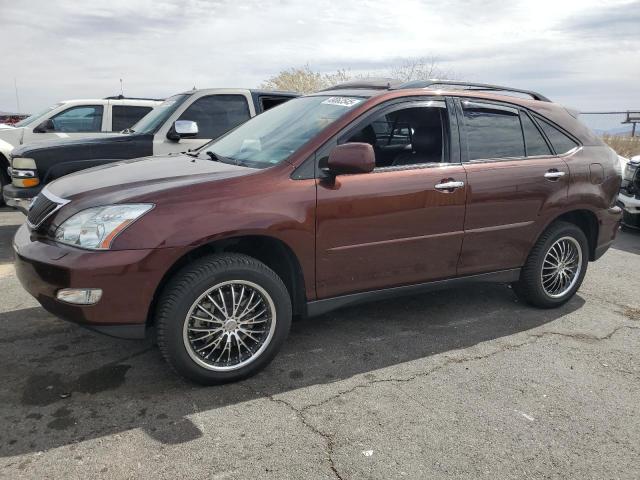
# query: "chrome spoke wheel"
229,325
561,267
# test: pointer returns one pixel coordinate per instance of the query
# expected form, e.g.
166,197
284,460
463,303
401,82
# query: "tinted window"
561,143
125,116
534,141
409,136
492,133
79,119
217,114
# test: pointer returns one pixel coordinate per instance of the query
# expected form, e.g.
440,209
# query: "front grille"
42,208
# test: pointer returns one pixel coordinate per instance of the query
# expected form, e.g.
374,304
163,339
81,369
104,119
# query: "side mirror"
44,127
182,129
351,158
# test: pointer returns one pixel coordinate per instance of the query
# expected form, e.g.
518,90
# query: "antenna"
121,88
15,84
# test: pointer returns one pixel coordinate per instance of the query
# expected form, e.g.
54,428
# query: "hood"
70,143
11,137
126,179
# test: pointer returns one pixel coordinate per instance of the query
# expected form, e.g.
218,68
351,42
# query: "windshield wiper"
128,130
214,156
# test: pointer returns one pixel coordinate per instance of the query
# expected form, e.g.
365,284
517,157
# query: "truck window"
86,118
217,114
269,102
125,116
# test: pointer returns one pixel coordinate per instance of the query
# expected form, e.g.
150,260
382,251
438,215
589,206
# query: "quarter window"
217,114
534,141
492,132
79,119
125,116
561,143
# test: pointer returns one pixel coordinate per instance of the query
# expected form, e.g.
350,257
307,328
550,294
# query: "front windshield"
274,135
156,117
32,118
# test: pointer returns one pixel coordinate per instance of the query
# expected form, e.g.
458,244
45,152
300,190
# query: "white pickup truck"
72,119
629,196
182,122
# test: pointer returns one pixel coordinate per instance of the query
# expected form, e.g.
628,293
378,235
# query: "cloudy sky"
582,53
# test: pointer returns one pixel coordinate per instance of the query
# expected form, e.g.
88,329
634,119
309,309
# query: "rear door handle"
553,174
449,185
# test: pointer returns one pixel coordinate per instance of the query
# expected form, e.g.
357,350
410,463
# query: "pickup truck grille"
42,208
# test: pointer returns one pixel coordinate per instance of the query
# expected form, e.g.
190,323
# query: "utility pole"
121,88
15,84
633,118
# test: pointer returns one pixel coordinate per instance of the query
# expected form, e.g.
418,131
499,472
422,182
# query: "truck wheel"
555,267
222,318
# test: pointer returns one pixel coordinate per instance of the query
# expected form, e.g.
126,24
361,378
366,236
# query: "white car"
72,119
629,196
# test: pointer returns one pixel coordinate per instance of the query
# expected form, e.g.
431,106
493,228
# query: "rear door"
402,223
515,182
126,116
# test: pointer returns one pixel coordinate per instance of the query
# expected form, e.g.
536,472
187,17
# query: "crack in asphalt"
328,438
533,338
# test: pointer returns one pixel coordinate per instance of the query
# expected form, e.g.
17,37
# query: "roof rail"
368,83
486,87
122,97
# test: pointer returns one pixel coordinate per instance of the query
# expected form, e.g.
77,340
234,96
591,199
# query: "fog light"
80,296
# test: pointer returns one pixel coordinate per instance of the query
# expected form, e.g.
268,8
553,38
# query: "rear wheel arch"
271,251
584,219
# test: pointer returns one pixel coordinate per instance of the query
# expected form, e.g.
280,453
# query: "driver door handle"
449,185
553,174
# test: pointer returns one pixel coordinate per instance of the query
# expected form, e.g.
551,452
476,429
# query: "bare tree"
423,68
304,80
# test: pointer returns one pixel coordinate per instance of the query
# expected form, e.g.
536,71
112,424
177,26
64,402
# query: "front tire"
555,268
222,318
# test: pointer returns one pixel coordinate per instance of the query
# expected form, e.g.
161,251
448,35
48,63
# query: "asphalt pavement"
459,384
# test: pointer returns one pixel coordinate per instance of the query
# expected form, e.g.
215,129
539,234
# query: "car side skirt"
320,307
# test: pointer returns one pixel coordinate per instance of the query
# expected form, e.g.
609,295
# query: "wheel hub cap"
229,325
561,267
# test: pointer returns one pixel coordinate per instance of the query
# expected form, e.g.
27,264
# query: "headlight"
630,170
97,227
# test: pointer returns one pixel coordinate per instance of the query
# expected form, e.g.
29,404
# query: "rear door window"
492,131
87,118
125,116
534,141
217,114
561,143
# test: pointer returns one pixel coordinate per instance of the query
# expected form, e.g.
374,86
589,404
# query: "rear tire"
555,267
222,318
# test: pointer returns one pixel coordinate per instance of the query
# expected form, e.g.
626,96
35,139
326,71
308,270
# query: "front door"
215,116
75,122
402,223
515,184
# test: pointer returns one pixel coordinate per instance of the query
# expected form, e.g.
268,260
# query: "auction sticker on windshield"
342,101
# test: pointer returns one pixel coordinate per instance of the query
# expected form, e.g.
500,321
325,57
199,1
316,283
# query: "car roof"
241,91
104,101
380,90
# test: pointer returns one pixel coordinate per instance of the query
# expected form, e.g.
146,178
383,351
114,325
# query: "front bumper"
19,198
128,279
630,210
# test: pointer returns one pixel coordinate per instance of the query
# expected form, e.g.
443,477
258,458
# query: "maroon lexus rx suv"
364,191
